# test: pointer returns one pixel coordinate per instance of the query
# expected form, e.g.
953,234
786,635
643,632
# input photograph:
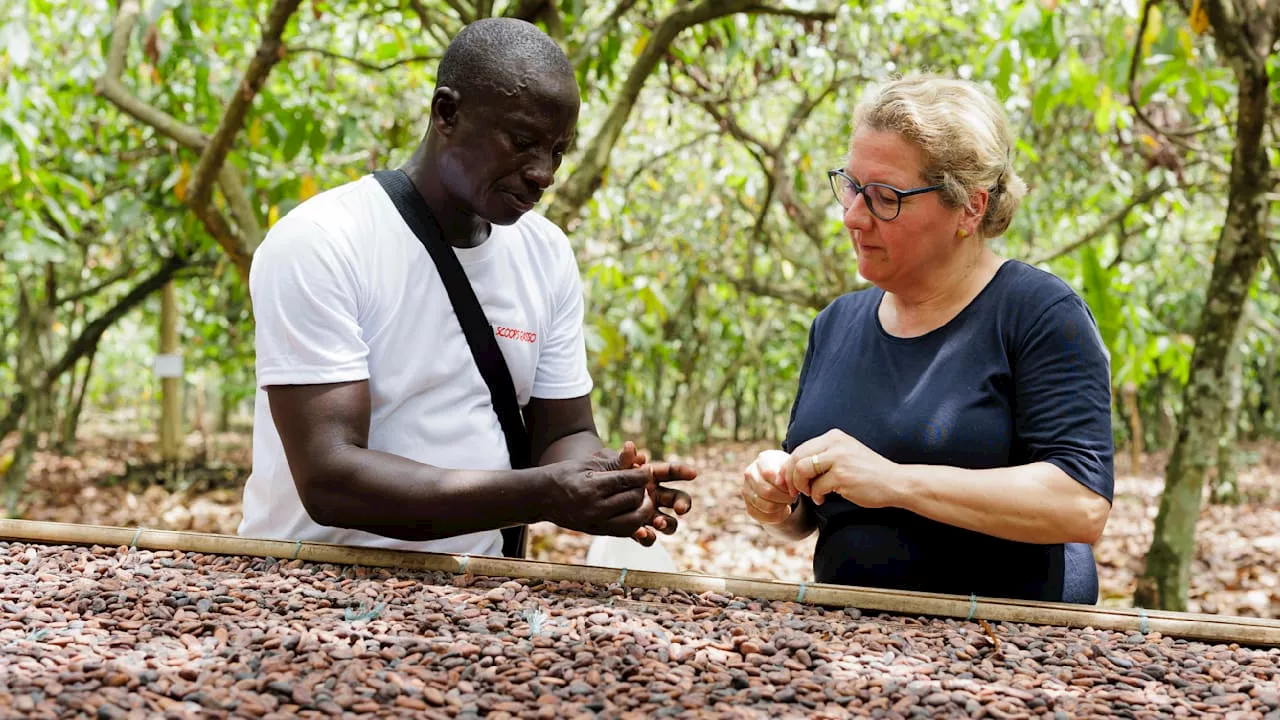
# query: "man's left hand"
663,497
837,463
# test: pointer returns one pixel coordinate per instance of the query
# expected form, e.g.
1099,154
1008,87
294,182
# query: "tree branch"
270,51
1231,23
765,9
239,254
112,88
1174,135
772,290
583,56
588,175
1101,228
463,14
429,26
95,289
1271,14
649,164
89,337
774,164
365,64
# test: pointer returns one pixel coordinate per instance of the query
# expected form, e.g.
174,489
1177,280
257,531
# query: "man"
373,425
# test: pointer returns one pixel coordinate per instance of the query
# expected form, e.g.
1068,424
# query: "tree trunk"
71,423
764,416
1129,394
654,434
15,477
88,340
225,406
619,409
62,412
1240,249
1271,392
199,424
737,412
1225,489
1166,422
170,386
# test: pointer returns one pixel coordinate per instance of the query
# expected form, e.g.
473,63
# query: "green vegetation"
143,145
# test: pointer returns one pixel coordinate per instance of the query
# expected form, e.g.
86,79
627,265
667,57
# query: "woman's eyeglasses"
884,201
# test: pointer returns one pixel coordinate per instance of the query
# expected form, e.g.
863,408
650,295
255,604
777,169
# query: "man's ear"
444,110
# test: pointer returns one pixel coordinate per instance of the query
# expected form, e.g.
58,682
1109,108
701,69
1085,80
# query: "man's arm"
342,483
561,430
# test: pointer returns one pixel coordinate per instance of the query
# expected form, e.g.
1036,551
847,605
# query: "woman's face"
893,254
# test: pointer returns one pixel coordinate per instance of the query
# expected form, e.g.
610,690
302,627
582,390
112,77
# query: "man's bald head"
503,56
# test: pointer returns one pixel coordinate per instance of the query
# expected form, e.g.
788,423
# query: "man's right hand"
594,495
765,491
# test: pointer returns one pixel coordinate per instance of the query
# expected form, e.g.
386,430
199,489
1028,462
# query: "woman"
952,428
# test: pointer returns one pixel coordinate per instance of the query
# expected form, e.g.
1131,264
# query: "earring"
962,233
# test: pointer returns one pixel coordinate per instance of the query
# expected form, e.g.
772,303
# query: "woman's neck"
927,306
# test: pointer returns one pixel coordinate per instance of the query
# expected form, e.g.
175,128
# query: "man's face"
502,152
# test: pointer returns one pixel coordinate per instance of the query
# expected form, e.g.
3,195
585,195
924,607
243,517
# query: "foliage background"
695,194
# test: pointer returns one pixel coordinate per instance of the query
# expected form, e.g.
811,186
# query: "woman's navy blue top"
1019,376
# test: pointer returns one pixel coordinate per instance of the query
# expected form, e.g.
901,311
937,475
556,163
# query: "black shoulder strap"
475,326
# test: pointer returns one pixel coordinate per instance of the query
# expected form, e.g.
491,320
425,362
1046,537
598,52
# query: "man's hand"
662,497
617,494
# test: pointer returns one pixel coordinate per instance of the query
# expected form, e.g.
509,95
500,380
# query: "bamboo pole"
1192,626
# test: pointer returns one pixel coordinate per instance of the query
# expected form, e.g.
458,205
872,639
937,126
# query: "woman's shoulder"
846,308
1022,277
853,302
1027,292
1038,306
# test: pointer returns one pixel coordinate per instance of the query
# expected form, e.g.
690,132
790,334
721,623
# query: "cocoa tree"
1245,34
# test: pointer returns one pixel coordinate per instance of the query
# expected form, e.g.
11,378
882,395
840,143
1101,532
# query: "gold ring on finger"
813,460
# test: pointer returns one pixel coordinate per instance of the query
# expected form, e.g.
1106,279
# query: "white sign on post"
168,366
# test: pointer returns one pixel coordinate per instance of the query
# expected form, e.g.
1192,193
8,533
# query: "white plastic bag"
620,552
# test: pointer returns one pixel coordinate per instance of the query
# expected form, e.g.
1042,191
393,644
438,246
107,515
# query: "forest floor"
1236,572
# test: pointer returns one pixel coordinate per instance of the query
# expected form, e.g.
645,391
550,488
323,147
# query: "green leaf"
297,135
1169,71
318,138
1043,102
1102,116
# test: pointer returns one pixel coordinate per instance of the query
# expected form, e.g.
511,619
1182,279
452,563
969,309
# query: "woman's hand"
836,463
768,497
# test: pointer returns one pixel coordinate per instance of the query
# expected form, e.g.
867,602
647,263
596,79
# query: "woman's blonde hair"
963,133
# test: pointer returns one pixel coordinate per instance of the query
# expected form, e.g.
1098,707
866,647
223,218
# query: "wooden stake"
170,387
1193,626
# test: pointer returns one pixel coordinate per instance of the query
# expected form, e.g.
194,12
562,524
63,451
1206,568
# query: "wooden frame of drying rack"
1192,626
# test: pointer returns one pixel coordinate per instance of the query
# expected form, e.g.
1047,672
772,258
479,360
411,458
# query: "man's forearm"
396,497
571,447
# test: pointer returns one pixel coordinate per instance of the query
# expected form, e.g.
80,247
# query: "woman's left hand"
837,463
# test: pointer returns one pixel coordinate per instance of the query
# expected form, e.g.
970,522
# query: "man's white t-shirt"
343,291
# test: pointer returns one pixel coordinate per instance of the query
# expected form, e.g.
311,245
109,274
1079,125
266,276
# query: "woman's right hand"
765,491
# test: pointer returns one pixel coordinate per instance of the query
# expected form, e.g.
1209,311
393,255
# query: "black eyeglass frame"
862,190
